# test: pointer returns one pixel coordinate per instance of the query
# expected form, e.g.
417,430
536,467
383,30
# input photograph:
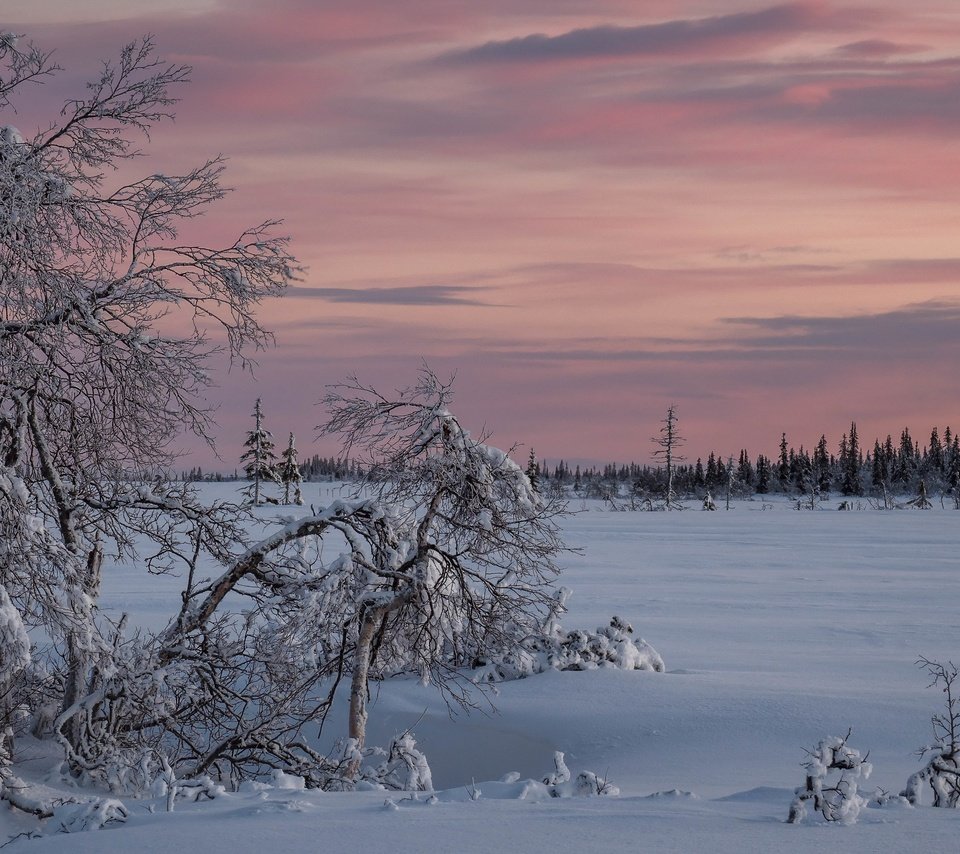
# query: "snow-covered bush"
833,771
87,815
586,784
941,774
557,649
404,767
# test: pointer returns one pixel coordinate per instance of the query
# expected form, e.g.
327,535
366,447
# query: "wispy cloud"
878,48
777,23
414,295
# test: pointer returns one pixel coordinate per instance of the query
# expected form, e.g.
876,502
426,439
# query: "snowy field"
778,628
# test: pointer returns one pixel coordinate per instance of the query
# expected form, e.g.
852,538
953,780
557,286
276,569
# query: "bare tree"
93,389
667,443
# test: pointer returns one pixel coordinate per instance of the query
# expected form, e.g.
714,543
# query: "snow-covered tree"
833,771
533,470
259,460
444,555
941,774
289,472
93,390
459,557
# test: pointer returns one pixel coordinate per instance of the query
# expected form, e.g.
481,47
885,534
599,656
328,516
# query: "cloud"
777,23
416,295
913,333
878,48
922,328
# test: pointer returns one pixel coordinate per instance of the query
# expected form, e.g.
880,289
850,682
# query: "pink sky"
588,211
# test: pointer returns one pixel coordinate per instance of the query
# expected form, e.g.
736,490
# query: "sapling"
833,770
941,774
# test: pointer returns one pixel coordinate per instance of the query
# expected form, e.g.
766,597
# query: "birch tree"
461,557
94,387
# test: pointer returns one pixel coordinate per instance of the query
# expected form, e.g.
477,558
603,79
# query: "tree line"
849,469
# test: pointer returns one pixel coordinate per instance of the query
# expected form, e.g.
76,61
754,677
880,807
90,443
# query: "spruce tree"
878,475
905,463
850,463
711,477
763,475
745,472
260,462
533,471
783,466
698,476
821,465
290,475
935,454
953,469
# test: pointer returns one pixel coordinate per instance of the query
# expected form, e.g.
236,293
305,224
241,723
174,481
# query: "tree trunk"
357,725
78,658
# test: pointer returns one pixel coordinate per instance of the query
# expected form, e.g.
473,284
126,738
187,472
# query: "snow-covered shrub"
403,768
586,784
609,646
560,773
833,771
87,815
941,774
201,788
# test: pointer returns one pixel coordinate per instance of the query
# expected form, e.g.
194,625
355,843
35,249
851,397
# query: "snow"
780,629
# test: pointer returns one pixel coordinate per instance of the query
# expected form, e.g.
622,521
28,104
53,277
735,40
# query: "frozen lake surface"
779,627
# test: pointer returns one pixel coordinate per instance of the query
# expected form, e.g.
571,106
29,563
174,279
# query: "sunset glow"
585,211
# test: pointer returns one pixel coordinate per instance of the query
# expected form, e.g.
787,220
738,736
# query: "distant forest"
314,469
906,466
903,467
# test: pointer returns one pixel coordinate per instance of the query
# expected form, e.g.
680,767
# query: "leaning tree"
443,559
459,561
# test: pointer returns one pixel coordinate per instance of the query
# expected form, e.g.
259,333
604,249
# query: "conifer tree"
879,474
850,463
953,469
259,458
290,475
905,464
533,471
935,453
745,472
783,466
711,478
763,475
821,465
698,475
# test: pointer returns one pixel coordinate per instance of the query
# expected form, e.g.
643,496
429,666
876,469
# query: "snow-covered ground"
778,628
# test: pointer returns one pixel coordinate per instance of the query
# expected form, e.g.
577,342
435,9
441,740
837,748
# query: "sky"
585,211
